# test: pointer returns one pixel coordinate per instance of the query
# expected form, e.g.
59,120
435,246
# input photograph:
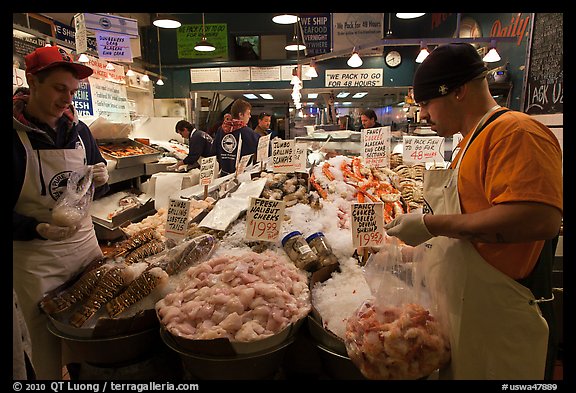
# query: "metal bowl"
253,366
338,366
110,350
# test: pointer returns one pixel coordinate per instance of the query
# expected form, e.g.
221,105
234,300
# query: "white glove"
410,228
172,167
100,174
54,232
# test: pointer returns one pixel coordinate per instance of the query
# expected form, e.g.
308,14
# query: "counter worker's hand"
410,228
100,174
54,232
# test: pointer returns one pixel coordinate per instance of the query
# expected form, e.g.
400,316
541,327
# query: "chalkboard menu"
544,86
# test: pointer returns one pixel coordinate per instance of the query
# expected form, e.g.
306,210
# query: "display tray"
127,152
133,214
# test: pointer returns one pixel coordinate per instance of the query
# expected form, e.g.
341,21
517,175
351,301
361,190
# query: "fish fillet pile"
242,298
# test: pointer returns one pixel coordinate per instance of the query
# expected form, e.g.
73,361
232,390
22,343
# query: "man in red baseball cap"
49,144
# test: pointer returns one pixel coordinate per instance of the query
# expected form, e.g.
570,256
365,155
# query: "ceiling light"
285,19
166,22
160,82
342,94
359,95
145,78
312,95
409,15
267,96
204,45
130,72
423,53
294,45
492,56
83,58
311,72
110,66
251,96
354,61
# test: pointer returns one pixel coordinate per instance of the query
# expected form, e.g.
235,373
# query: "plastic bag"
74,203
394,334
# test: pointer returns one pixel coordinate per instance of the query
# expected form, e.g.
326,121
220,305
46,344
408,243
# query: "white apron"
495,328
39,265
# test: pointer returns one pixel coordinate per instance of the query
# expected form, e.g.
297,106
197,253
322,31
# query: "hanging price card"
262,152
367,224
177,218
207,168
423,149
263,219
242,164
283,155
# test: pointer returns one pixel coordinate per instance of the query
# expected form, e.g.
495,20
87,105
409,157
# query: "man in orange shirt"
487,222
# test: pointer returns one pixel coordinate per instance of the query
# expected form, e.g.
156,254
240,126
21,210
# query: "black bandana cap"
446,68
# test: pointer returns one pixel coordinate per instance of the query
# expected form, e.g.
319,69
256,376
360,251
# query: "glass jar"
300,252
318,243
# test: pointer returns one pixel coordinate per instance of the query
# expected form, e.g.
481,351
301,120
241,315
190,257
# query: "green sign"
189,35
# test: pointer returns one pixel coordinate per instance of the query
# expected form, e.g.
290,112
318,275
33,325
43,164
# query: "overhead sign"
108,23
364,77
114,47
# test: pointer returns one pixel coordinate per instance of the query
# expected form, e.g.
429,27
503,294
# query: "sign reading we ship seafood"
375,146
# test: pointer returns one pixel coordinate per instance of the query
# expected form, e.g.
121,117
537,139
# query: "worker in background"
227,138
49,143
263,127
369,119
199,145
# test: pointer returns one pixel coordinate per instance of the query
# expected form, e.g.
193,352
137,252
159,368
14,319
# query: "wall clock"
393,59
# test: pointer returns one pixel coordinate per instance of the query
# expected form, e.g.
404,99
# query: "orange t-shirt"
514,159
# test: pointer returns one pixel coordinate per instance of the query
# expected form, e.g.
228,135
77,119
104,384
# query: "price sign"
177,218
423,149
283,155
456,139
300,156
263,219
375,146
242,164
262,152
367,224
207,169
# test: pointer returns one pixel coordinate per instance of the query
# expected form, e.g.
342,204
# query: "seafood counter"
214,286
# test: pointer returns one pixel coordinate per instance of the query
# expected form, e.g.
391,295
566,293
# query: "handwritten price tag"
375,146
367,224
264,219
207,168
177,218
262,151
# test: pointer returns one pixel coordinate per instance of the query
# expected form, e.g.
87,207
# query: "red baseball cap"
52,56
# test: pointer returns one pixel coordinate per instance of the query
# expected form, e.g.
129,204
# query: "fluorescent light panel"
312,95
343,94
267,96
359,95
251,96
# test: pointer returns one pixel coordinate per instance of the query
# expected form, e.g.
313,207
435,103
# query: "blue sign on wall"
317,32
82,100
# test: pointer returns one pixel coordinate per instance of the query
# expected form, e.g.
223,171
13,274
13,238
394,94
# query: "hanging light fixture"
312,73
110,66
285,19
166,22
409,15
159,82
295,44
492,56
204,45
354,61
130,72
145,78
83,58
423,52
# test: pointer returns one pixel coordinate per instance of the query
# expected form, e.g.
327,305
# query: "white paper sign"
423,149
300,156
375,146
262,152
207,169
177,218
365,77
235,74
456,139
283,155
264,219
113,47
204,75
242,164
367,224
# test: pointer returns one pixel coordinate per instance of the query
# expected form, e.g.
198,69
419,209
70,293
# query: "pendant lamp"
166,22
204,45
354,61
492,56
159,82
